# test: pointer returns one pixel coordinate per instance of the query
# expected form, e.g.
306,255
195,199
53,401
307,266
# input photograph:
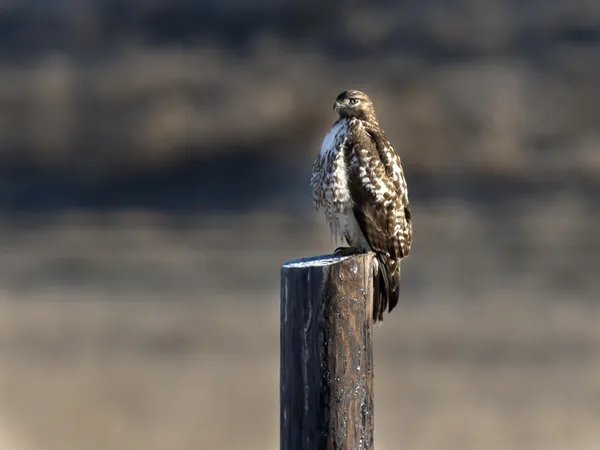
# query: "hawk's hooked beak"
337,105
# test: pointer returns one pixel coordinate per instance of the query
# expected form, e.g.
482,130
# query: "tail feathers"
387,286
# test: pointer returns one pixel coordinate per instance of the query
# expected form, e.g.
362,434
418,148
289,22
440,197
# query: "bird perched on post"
358,181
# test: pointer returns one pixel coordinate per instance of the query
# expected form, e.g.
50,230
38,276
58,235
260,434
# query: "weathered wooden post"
326,384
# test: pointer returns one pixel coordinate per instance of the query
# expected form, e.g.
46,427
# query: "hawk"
358,182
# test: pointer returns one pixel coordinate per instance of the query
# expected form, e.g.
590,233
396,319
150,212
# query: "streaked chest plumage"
330,182
330,174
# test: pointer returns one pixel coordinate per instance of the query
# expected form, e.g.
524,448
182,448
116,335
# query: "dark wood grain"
326,385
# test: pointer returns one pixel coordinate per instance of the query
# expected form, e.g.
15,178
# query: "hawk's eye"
353,101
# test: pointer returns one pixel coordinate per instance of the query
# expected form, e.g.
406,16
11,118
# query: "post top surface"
316,261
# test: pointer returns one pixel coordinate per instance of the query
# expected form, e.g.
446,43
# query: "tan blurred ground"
138,331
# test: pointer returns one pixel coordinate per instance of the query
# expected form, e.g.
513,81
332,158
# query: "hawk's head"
354,104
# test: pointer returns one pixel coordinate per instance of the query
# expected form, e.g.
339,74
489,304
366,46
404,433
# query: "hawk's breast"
330,183
330,174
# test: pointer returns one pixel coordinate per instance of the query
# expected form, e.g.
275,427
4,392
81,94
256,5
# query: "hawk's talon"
346,251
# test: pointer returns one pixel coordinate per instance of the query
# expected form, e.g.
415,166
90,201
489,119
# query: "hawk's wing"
379,194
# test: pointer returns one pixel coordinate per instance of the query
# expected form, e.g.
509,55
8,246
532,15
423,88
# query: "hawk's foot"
346,251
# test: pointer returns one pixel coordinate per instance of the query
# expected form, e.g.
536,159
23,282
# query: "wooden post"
326,384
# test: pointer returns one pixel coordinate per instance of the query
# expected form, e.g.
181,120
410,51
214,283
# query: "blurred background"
155,160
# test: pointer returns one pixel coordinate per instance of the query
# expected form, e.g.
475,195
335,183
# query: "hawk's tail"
387,286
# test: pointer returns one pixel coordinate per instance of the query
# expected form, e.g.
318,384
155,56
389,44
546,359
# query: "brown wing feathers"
377,198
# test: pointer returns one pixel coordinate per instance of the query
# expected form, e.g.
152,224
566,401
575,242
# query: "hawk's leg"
346,251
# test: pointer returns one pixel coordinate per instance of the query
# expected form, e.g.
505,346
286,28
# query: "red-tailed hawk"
358,182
